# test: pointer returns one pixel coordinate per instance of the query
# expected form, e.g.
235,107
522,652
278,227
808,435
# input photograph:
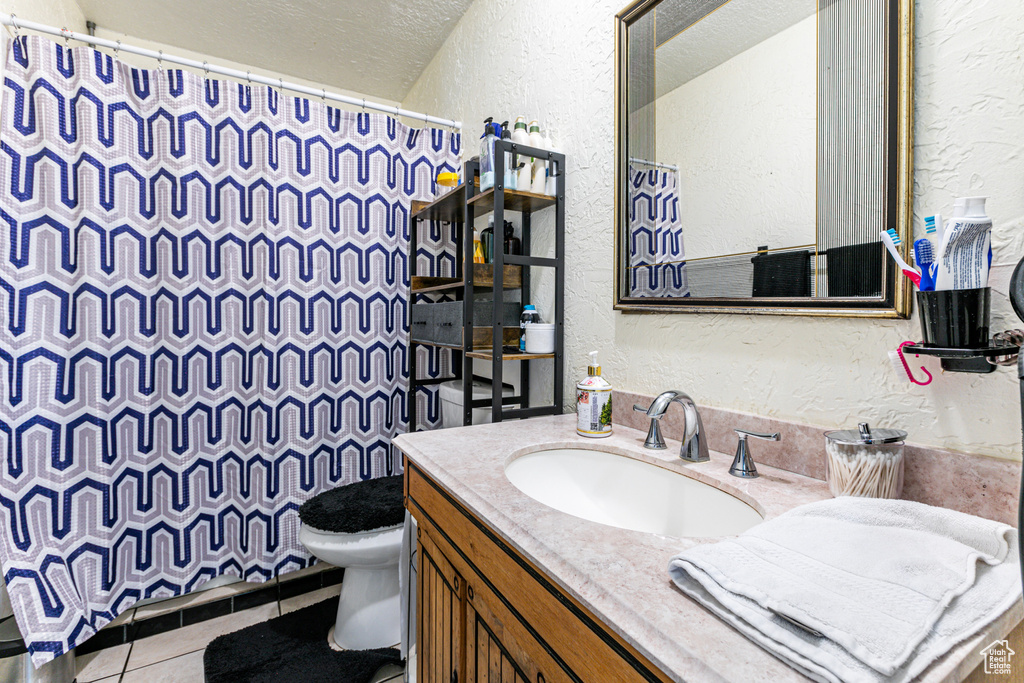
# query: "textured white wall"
67,13
743,136
59,13
556,60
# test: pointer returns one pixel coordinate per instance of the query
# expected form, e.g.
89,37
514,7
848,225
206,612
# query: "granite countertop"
622,576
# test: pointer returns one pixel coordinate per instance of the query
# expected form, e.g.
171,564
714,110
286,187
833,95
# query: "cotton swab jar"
865,463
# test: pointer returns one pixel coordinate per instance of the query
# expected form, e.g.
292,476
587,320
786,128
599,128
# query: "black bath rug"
361,506
289,649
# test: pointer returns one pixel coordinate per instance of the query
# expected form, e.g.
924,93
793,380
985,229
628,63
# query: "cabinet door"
487,659
441,611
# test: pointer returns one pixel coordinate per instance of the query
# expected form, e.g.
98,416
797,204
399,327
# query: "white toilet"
369,608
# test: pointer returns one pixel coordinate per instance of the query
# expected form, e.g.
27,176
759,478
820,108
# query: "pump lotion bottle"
594,403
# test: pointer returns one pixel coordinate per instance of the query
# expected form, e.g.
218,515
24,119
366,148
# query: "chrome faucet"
742,464
695,447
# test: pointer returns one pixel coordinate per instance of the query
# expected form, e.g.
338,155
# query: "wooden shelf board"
447,207
488,355
515,200
453,347
421,285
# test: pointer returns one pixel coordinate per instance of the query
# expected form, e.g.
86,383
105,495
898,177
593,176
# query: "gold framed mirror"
762,146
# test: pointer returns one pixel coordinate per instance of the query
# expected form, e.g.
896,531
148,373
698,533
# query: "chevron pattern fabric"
656,254
203,295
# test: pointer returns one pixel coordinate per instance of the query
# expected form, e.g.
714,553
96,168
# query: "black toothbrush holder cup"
956,318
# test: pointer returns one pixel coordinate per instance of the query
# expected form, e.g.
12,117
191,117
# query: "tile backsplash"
977,484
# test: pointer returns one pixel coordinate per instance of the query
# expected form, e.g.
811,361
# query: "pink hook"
906,367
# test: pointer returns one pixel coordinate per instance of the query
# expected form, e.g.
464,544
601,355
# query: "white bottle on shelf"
549,144
539,178
525,164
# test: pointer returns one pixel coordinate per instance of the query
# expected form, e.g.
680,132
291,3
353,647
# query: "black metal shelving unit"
461,207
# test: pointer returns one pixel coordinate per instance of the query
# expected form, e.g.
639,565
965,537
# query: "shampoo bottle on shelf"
487,240
524,167
549,144
594,402
510,173
478,248
487,154
539,177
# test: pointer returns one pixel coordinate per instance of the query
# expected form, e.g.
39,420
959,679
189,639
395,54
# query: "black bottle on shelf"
512,244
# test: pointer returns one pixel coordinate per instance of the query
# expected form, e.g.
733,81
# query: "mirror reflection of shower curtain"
656,253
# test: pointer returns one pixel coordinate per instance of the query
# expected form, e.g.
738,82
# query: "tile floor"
177,656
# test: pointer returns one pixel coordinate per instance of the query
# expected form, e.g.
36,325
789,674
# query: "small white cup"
540,338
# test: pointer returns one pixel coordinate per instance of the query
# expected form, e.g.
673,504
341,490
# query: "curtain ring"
14,23
426,119
280,82
248,77
64,32
160,61
364,106
117,49
206,69
323,95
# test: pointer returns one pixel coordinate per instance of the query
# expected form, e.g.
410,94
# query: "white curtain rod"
657,164
13,21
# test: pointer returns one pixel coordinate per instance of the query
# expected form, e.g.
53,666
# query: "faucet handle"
744,433
640,409
743,464
654,440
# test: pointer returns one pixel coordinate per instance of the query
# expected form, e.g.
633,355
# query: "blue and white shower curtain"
657,258
203,296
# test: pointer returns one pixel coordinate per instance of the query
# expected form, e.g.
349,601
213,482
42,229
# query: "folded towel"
858,589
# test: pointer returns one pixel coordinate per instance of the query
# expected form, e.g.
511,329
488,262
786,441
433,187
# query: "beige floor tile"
195,598
184,669
102,663
191,638
315,569
109,679
307,599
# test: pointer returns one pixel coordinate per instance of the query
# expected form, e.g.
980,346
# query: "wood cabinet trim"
611,640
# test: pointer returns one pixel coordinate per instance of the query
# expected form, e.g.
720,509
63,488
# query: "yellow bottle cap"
448,179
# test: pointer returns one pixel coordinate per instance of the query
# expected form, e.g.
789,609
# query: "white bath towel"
879,588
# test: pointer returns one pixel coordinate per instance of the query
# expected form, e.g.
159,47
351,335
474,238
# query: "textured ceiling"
730,29
375,47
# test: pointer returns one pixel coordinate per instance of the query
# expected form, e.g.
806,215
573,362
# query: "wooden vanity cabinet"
486,614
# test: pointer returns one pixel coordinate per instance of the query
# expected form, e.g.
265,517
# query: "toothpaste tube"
964,256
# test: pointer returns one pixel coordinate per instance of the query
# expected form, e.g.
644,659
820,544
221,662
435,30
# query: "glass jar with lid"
865,462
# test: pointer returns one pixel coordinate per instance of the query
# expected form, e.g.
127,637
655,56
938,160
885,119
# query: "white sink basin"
630,494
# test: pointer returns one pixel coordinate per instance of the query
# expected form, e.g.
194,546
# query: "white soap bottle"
524,167
539,177
549,144
594,402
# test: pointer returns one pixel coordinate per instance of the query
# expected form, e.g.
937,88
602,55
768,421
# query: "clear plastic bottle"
487,154
510,174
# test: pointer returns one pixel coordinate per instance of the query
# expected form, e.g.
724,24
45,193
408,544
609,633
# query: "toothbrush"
924,258
890,239
933,224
